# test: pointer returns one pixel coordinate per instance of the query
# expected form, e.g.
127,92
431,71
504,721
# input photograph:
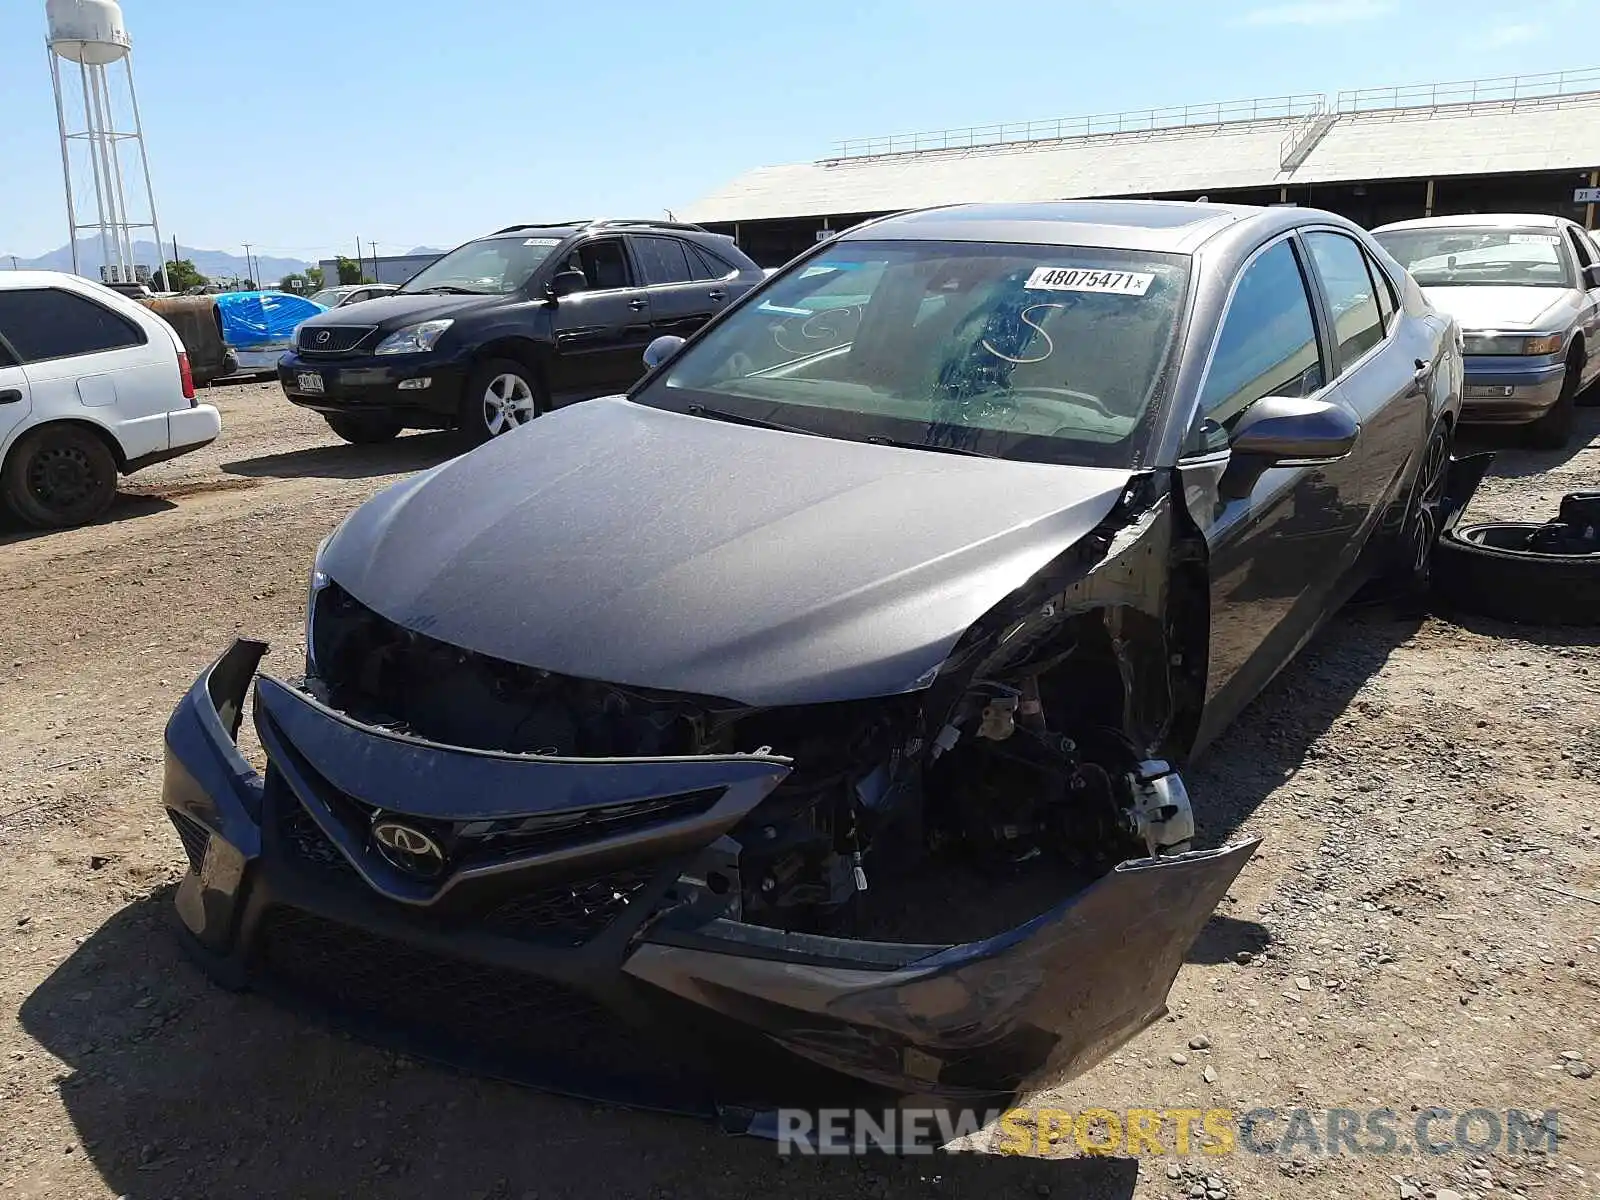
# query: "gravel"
1425,841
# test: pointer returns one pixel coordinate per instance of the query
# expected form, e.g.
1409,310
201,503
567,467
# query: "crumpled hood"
1489,308
613,541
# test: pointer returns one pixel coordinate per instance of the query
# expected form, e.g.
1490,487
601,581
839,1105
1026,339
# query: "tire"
1553,430
501,395
1480,568
363,430
59,476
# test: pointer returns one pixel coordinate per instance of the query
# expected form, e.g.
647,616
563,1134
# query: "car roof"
37,279
1177,226
1478,221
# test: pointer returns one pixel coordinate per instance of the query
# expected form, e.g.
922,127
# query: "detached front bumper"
594,963
1508,390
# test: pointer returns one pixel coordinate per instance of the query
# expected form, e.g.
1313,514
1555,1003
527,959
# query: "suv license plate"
1486,390
309,381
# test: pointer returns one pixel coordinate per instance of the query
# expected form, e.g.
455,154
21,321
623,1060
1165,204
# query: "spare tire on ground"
1525,572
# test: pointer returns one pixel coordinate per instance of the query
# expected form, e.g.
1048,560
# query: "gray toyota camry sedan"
810,724
1526,290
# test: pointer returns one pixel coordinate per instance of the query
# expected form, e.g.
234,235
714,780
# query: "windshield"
493,266
1048,353
1458,256
330,297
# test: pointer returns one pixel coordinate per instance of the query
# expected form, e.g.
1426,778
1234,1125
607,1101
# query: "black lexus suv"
510,325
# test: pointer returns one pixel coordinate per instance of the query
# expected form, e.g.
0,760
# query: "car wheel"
502,395
363,430
1494,570
1419,536
58,476
1551,431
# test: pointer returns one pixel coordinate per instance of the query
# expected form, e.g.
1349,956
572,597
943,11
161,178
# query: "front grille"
307,844
194,836
485,1017
569,914
566,914
341,339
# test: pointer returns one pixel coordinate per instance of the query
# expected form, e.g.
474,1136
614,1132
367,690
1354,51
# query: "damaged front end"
954,895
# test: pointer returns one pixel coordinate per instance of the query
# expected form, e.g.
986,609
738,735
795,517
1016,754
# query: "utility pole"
361,263
250,266
373,246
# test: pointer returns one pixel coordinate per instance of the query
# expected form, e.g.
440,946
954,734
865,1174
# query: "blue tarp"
263,320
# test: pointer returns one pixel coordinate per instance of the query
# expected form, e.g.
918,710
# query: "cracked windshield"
1034,352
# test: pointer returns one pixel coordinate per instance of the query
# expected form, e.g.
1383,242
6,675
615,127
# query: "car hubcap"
61,477
507,404
1430,497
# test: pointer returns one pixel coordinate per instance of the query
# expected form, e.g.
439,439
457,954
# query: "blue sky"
299,125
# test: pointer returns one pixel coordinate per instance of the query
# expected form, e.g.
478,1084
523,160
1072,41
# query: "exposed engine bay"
1014,787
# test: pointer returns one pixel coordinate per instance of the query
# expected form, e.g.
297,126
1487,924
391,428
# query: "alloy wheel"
1429,500
507,403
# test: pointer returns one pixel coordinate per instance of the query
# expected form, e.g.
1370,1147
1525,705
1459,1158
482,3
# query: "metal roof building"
1523,143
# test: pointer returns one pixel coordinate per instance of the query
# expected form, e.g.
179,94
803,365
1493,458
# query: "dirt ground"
1420,928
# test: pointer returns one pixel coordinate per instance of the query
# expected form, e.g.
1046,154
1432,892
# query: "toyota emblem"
409,849
324,338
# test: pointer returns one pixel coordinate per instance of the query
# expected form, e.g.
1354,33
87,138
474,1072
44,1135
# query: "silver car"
1526,291
353,293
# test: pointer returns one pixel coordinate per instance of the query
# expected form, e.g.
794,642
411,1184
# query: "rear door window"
1388,305
663,260
45,323
1352,296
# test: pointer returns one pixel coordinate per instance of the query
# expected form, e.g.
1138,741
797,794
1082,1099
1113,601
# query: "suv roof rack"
601,223
578,224
645,224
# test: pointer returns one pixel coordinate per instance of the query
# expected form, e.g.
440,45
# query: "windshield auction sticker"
1079,279
1534,239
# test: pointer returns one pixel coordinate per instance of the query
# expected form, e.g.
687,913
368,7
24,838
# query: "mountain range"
213,264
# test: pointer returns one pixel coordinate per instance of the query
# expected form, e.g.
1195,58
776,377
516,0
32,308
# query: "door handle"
1423,372
637,305
718,295
10,396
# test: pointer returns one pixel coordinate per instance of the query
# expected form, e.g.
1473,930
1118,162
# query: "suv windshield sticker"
1530,239
1080,279
542,242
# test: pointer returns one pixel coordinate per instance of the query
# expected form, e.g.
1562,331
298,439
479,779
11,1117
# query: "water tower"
102,137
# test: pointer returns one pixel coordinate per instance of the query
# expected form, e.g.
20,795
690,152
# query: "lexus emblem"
409,849
324,338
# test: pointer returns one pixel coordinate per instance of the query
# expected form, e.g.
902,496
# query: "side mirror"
568,282
1285,431
1591,276
1281,429
658,351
